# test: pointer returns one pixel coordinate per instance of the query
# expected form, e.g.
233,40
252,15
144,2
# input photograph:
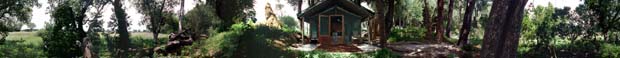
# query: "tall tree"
503,29
181,15
14,13
449,18
427,21
466,27
59,37
389,19
231,11
438,23
606,13
94,26
122,24
153,11
31,26
297,4
80,21
379,22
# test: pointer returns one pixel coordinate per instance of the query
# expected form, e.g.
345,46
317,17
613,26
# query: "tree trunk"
122,28
300,2
158,22
449,18
466,27
503,29
389,20
379,22
439,23
82,34
427,21
181,15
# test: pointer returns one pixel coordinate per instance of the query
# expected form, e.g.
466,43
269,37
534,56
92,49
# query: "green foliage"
16,49
202,18
409,10
158,14
170,23
15,13
224,44
610,51
551,32
61,37
385,53
407,34
229,11
240,27
289,23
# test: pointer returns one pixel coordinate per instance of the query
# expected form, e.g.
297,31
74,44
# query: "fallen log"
177,41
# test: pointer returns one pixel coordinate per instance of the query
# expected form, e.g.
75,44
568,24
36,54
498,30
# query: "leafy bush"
288,24
58,43
610,51
221,45
406,34
16,49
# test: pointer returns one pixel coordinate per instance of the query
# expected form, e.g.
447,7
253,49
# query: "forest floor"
414,49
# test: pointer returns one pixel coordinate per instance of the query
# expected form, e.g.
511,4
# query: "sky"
40,14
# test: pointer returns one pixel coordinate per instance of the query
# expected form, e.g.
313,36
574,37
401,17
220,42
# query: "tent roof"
330,4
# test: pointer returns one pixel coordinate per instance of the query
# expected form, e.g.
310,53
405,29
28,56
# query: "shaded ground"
412,49
339,48
263,42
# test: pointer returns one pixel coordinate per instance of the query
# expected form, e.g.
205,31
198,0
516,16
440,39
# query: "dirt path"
425,50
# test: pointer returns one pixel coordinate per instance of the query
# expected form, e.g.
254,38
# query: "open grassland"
33,38
27,37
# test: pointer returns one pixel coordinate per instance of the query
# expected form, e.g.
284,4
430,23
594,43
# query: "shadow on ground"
259,43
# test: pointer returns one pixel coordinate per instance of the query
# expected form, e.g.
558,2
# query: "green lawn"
33,38
28,37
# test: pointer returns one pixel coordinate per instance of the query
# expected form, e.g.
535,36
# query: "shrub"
610,51
16,49
58,43
288,23
406,34
221,45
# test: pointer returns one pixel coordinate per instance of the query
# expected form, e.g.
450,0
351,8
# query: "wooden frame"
329,27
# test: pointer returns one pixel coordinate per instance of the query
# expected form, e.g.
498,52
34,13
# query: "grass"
33,38
30,45
28,37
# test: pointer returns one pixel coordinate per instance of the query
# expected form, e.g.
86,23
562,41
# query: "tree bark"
439,22
300,2
449,18
389,20
427,21
82,34
466,27
122,28
503,29
181,15
379,22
